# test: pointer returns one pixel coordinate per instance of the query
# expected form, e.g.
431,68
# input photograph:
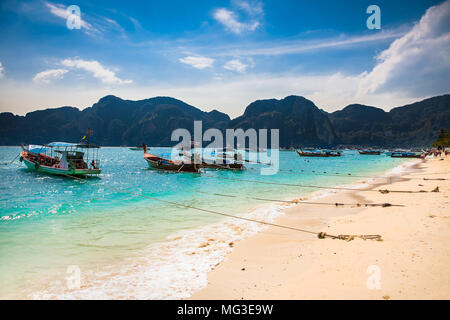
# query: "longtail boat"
158,163
333,153
318,153
223,165
225,158
401,154
369,152
136,148
221,162
62,158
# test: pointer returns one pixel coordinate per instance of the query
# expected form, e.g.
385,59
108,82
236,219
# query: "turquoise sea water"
130,246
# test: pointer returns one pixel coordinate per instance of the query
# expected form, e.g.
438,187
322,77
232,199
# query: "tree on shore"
443,139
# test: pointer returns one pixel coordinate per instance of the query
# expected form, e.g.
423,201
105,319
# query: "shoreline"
283,264
193,253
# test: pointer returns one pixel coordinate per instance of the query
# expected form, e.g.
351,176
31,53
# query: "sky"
222,54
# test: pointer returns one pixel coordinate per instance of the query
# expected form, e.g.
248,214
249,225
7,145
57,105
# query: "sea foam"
173,269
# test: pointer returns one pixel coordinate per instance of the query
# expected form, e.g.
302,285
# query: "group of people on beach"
438,152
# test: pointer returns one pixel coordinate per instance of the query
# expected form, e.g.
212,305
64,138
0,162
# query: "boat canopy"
44,148
36,148
75,153
71,145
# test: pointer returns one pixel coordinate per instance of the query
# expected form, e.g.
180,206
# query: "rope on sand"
383,191
349,237
320,235
335,204
342,174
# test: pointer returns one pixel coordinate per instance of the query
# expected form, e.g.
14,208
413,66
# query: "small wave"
402,169
17,216
170,270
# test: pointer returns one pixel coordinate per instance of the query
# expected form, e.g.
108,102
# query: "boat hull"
230,166
58,171
310,154
368,153
333,155
406,156
318,155
184,167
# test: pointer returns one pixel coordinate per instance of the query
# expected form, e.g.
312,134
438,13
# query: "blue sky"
222,54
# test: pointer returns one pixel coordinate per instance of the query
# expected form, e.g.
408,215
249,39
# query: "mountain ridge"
116,122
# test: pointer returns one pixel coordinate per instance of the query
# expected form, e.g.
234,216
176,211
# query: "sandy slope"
412,261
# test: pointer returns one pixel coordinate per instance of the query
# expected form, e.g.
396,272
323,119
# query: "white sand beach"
411,261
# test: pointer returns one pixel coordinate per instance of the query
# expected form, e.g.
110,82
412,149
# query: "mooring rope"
258,162
320,235
383,191
8,163
340,174
335,204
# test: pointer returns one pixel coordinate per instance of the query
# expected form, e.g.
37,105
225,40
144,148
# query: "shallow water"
127,246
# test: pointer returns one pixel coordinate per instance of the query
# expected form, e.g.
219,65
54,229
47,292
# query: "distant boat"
333,153
158,163
405,154
369,152
62,158
136,148
302,153
319,153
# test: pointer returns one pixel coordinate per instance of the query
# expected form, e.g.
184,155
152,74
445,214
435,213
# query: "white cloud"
275,48
1,70
417,63
229,19
60,11
197,62
253,8
137,25
235,65
98,71
96,26
328,91
48,75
